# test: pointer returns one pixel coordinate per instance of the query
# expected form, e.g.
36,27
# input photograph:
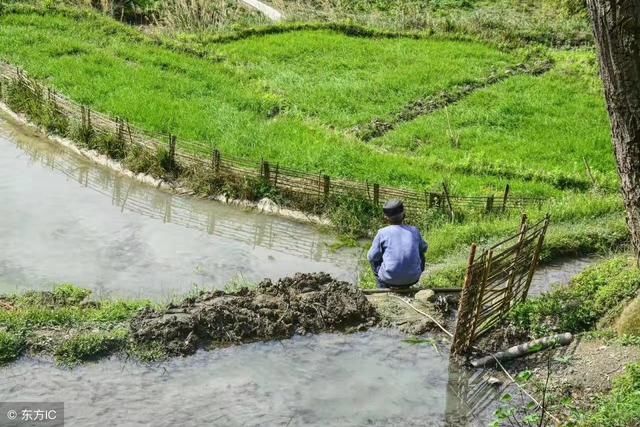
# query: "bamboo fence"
309,189
273,235
495,281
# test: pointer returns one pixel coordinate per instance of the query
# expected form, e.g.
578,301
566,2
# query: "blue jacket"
397,255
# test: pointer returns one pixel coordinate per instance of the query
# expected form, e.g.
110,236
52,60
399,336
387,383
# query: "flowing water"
558,273
66,219
372,379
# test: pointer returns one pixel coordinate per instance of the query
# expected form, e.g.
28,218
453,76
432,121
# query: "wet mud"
304,303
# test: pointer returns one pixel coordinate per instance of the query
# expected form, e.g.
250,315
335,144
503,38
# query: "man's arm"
423,251
375,254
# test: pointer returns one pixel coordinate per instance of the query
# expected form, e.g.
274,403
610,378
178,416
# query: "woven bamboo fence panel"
495,281
314,188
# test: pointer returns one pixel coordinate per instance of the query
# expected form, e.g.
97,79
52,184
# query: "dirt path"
265,9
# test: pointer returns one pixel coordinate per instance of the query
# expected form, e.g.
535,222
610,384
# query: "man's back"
397,255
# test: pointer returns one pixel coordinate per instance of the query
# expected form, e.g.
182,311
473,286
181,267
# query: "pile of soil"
304,303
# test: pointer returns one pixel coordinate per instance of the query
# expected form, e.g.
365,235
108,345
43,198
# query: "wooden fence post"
445,189
215,161
512,268
326,186
376,194
536,256
172,151
489,206
459,344
507,189
486,267
129,132
266,171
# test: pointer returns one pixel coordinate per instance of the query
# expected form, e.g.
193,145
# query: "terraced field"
479,116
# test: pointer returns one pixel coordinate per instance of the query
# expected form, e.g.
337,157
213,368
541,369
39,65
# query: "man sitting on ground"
397,255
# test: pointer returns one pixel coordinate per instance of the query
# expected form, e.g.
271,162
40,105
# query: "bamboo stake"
524,349
512,269
460,342
480,299
448,200
507,189
536,258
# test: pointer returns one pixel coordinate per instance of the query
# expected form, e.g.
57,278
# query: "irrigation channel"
65,218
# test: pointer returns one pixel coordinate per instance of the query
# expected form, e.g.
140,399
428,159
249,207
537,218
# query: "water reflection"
119,236
559,272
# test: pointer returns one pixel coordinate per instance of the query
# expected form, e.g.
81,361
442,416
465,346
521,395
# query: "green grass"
11,346
65,307
117,70
345,81
90,346
69,325
591,297
512,22
621,407
540,128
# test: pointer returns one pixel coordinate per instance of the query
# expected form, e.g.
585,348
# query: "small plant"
237,284
11,347
621,407
454,137
68,294
354,216
111,145
141,160
90,346
83,134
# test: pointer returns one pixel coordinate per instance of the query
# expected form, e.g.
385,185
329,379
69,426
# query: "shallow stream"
366,379
66,219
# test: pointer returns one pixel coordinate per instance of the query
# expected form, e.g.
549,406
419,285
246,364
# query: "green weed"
621,407
580,305
11,347
90,346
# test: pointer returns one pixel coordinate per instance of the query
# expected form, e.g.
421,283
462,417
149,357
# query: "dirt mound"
304,303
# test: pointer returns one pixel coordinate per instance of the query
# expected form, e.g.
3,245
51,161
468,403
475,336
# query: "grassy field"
543,127
295,97
116,70
512,22
293,113
345,81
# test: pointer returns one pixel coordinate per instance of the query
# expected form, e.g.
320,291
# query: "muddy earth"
304,303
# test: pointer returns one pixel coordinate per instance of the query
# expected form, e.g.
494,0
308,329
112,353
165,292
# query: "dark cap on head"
393,208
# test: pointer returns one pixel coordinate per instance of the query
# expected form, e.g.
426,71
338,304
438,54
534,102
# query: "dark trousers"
383,285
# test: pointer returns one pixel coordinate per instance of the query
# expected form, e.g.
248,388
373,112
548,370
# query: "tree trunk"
616,27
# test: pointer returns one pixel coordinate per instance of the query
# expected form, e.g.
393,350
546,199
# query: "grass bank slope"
533,127
251,112
345,81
